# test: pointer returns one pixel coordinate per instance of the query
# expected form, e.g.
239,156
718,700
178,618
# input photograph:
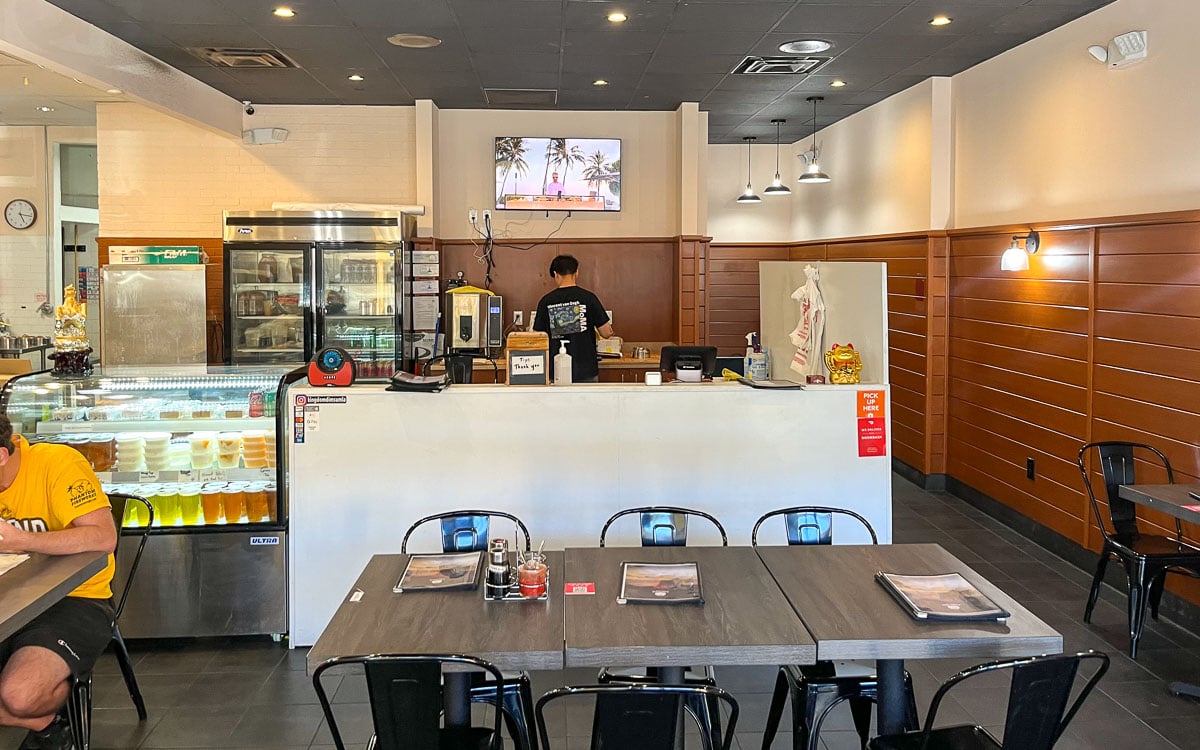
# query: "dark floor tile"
287,686
1184,731
353,722
252,657
159,691
121,728
200,726
753,740
232,689
281,725
1149,699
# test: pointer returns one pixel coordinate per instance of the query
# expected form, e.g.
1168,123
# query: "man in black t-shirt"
573,314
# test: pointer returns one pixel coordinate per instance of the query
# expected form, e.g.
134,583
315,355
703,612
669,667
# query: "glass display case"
199,443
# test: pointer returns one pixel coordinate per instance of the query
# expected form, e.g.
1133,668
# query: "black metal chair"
1037,707
468,531
666,526
79,701
815,690
1147,558
644,716
406,699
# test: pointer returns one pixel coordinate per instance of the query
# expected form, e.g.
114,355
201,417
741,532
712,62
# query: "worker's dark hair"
6,433
564,265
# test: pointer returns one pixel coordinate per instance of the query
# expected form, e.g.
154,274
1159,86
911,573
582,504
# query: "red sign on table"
872,425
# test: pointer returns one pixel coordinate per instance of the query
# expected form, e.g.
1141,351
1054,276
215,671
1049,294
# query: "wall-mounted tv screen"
558,174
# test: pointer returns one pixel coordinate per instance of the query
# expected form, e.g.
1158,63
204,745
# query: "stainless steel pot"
640,352
6,342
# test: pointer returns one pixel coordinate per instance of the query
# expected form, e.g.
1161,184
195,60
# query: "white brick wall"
22,278
163,177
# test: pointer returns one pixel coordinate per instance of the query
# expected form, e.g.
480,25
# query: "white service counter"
366,463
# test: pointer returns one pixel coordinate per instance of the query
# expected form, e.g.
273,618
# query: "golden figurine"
844,364
71,347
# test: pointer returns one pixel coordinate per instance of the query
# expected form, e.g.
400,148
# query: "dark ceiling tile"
699,44
357,56
969,16
316,37
98,12
517,65
502,78
192,11
662,63
755,16
1034,19
533,41
449,97
138,35
681,80
177,58
813,19
593,16
512,15
611,43
769,44
212,35
605,65
775,83
867,98
759,98
308,12
392,17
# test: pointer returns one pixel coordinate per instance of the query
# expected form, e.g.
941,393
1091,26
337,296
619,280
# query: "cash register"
688,364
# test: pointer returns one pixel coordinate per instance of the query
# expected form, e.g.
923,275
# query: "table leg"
890,674
674,676
456,698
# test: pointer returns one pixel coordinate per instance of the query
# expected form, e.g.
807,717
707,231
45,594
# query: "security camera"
249,107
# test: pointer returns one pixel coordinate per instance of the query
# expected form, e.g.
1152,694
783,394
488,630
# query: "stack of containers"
131,452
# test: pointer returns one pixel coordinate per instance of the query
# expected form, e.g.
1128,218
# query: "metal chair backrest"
810,524
641,716
664,525
1037,698
1117,460
119,502
465,530
405,692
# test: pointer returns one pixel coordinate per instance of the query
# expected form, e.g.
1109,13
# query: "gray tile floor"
251,693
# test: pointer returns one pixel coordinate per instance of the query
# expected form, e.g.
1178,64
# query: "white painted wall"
1044,132
162,176
24,254
768,221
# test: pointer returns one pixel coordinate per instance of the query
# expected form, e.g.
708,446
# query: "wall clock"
20,214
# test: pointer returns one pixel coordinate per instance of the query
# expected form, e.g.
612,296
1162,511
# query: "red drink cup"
531,576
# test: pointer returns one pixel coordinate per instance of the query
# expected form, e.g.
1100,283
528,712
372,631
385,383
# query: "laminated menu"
440,572
660,583
10,561
940,597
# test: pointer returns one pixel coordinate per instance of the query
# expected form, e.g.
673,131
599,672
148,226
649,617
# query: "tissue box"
610,346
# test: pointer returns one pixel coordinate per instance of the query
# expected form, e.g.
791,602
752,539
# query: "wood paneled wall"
1099,340
214,280
916,354
638,279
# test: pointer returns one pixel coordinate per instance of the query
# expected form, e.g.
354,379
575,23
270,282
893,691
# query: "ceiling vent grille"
236,57
778,65
521,97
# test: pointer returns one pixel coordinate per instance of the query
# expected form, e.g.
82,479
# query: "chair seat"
464,738
1158,546
943,738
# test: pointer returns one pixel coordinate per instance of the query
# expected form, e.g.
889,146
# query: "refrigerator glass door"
359,311
153,315
268,303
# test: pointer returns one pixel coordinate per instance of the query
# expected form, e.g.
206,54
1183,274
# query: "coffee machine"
474,329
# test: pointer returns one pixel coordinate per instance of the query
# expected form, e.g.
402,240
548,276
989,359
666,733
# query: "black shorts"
75,628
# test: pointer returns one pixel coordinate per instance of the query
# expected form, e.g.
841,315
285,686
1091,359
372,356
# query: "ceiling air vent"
236,57
521,97
778,65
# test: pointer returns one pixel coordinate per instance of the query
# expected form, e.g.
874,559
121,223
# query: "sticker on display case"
147,476
263,541
309,400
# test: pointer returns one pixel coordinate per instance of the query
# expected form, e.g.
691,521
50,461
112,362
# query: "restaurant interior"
1022,172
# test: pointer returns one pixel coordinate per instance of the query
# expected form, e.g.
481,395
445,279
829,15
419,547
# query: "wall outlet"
518,317
473,216
487,215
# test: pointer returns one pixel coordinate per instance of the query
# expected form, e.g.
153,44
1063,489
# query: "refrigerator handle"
315,312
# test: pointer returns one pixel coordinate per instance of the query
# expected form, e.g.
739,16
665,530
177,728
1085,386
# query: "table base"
892,701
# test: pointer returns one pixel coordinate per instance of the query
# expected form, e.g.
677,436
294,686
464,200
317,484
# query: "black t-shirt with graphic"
572,313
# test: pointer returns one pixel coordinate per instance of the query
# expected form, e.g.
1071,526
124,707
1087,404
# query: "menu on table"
940,597
660,583
10,561
440,571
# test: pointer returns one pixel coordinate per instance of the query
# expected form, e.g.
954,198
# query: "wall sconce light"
748,195
1016,257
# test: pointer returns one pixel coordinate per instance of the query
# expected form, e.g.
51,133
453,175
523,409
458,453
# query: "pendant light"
813,174
777,187
748,195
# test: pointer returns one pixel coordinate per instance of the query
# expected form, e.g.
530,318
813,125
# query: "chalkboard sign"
528,358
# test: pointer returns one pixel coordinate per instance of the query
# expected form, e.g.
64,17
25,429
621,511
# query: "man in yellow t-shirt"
51,502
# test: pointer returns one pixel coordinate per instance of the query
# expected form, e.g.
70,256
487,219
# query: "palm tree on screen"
597,170
510,157
614,178
563,156
553,146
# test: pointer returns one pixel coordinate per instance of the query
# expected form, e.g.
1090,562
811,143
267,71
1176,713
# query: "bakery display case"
199,444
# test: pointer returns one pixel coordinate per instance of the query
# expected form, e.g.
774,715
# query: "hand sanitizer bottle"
562,365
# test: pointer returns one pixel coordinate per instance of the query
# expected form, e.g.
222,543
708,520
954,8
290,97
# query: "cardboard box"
528,354
11,367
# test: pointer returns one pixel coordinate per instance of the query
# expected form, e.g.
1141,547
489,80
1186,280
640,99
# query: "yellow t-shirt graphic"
54,486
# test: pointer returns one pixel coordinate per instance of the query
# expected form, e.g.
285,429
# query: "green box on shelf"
155,255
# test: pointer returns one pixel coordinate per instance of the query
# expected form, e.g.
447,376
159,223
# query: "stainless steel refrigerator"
298,281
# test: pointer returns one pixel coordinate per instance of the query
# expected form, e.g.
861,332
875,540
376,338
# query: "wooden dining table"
851,616
36,584
1179,501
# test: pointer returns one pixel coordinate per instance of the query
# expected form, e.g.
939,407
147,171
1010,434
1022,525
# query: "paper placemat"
10,561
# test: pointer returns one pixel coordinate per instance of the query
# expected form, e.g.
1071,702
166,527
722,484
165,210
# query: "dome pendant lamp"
748,195
813,174
777,187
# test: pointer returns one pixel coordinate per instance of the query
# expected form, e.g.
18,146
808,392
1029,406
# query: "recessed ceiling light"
599,82
113,91
837,84
284,12
805,46
44,108
940,20
355,77
618,17
413,41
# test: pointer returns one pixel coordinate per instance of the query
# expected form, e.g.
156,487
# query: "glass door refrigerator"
298,281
